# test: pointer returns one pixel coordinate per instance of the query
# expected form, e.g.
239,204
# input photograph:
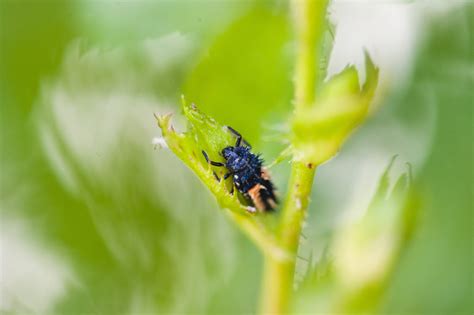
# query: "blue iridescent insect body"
248,174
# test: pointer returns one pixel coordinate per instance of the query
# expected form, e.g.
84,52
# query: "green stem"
309,24
278,275
294,211
277,285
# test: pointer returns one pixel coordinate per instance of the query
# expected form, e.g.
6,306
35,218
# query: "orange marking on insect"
254,194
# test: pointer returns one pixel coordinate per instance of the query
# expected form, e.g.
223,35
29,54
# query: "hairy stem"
309,24
278,275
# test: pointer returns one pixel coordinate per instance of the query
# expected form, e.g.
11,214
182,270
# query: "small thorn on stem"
298,203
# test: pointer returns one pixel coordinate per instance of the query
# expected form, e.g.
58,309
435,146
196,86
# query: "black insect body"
248,174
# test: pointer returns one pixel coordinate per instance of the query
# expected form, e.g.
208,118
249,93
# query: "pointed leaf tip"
372,75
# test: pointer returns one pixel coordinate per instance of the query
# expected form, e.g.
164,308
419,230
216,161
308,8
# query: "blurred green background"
95,220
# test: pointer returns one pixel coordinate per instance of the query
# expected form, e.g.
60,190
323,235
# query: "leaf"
244,76
131,212
364,253
212,135
319,131
327,44
206,133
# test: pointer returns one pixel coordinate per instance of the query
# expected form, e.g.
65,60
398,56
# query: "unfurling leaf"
319,131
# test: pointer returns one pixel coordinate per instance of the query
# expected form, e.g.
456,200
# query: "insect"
248,174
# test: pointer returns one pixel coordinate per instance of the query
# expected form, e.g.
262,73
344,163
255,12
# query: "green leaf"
327,44
364,253
206,133
209,133
344,83
319,131
372,77
244,76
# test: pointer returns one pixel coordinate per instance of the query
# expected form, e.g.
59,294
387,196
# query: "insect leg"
211,162
227,175
239,137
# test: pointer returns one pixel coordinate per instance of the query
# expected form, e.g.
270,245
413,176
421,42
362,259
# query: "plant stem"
309,23
278,275
277,285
